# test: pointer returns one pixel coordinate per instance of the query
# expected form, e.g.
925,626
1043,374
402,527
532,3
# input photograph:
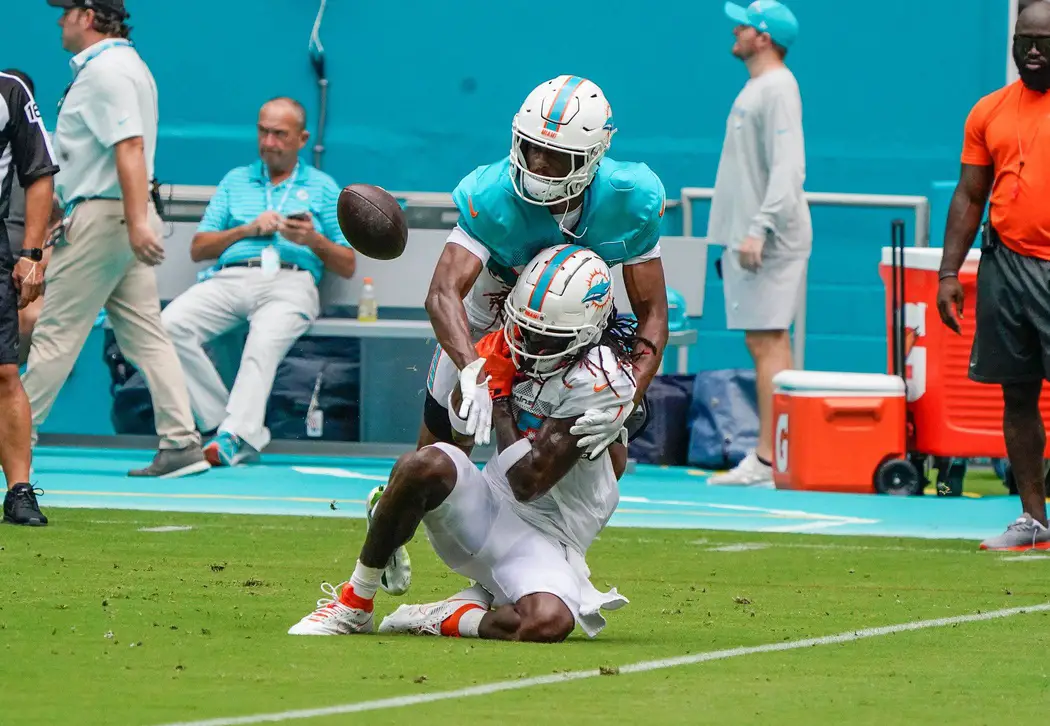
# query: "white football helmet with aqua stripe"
569,115
560,305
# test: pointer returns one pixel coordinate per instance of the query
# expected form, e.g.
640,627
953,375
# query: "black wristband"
35,254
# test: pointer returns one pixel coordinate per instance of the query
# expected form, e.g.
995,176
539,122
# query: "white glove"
600,428
476,407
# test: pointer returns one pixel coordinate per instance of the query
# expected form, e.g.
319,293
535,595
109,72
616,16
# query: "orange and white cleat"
445,617
332,617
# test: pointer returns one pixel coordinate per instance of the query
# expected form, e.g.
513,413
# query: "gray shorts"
1011,343
767,299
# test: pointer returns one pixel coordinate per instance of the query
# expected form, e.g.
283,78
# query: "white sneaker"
397,575
427,619
749,472
333,618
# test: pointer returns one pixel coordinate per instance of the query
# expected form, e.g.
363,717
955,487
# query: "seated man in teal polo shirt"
272,228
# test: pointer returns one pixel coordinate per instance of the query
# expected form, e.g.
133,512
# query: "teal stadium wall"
422,92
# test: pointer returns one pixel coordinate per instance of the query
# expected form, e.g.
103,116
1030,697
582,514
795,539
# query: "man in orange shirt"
1006,153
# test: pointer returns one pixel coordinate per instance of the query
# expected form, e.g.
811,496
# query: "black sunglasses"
1025,43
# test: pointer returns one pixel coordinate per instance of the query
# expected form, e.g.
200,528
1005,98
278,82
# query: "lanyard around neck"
289,183
100,48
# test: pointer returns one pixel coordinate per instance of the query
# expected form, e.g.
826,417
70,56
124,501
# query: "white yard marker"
338,473
649,665
1029,556
972,552
740,547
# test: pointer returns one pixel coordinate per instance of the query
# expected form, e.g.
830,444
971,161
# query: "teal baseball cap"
767,16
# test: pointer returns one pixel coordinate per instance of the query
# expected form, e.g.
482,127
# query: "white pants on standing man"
279,308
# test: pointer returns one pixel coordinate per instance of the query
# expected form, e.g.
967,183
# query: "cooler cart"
949,417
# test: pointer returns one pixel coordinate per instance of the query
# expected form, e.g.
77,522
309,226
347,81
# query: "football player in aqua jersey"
557,185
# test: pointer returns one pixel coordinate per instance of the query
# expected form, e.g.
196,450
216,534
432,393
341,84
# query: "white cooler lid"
832,382
925,258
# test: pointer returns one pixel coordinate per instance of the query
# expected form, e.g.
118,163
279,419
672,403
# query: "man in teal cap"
764,17
759,212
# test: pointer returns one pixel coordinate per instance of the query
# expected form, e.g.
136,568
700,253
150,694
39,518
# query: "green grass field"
106,624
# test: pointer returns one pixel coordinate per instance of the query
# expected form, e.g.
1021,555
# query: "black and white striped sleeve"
31,152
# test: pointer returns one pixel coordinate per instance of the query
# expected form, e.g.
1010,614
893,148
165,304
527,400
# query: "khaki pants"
95,267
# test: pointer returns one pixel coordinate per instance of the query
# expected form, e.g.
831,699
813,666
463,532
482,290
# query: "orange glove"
498,364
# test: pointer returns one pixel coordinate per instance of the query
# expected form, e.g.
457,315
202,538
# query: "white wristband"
459,425
514,453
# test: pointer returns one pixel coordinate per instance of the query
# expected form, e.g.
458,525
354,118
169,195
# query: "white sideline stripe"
808,527
703,542
644,666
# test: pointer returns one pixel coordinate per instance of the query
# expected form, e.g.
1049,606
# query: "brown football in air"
372,221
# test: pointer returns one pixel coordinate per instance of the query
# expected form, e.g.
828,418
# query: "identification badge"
315,423
271,261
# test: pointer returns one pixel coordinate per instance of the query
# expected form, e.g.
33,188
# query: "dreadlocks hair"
110,25
621,337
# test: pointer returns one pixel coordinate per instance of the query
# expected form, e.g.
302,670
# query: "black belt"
258,263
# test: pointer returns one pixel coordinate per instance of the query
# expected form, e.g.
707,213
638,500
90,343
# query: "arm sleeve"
113,116
31,150
975,148
459,236
786,153
217,216
652,254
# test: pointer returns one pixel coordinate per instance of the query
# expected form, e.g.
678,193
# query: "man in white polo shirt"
105,139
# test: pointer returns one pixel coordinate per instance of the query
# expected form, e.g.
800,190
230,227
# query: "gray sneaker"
173,463
1023,534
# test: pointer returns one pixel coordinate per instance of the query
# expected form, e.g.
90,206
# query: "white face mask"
543,191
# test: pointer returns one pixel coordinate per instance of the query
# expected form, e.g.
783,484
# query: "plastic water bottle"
367,308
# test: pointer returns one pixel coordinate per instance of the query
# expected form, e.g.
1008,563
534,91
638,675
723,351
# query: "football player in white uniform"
521,528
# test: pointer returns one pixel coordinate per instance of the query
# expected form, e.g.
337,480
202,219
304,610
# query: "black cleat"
20,506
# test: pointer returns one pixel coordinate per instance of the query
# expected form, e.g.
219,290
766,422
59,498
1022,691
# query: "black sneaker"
20,506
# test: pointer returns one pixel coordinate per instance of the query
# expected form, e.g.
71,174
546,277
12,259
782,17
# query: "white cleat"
333,618
397,575
750,472
427,619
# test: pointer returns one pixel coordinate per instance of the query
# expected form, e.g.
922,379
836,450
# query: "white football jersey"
576,509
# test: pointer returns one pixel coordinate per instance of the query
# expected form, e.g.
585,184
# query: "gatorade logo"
780,443
915,349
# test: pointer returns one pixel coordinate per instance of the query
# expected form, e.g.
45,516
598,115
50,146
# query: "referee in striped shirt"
272,228
26,152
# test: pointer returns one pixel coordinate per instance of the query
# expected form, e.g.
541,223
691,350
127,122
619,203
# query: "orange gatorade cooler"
951,415
836,432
